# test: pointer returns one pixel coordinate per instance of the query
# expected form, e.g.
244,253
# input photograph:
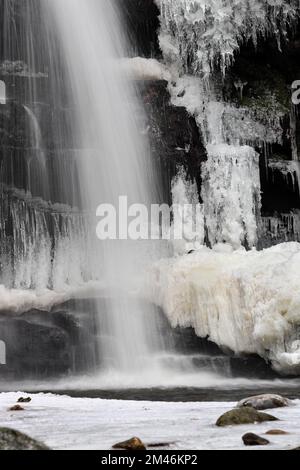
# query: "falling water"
36,162
113,162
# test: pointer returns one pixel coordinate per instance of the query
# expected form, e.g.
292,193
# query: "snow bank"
248,302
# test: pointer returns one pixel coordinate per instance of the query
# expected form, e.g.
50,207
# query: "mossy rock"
11,439
132,444
244,415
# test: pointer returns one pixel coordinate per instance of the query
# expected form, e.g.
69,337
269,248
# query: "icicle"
293,127
203,34
187,213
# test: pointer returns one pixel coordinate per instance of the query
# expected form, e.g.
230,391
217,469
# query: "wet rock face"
42,345
174,136
142,22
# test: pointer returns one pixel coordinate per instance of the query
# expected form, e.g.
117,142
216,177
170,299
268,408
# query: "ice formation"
188,218
289,169
199,39
231,194
43,246
231,189
247,302
201,35
225,122
280,228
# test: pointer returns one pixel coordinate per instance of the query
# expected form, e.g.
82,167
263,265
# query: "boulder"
16,408
15,440
132,444
251,439
276,432
264,402
245,415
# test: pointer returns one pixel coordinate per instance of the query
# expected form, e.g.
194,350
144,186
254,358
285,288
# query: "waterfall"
114,162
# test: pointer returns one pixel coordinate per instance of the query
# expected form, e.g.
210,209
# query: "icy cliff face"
199,40
231,182
204,34
246,301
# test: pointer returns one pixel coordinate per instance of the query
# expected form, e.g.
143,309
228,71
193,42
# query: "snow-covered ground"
84,423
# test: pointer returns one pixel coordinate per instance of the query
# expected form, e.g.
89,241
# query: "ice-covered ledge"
248,302
139,68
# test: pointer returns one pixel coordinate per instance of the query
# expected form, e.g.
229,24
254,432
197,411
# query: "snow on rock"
248,302
23,300
265,402
140,68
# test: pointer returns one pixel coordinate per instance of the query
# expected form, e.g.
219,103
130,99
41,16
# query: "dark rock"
46,344
142,22
16,408
276,432
252,366
264,402
24,400
160,444
174,136
280,196
132,444
15,440
251,439
243,416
